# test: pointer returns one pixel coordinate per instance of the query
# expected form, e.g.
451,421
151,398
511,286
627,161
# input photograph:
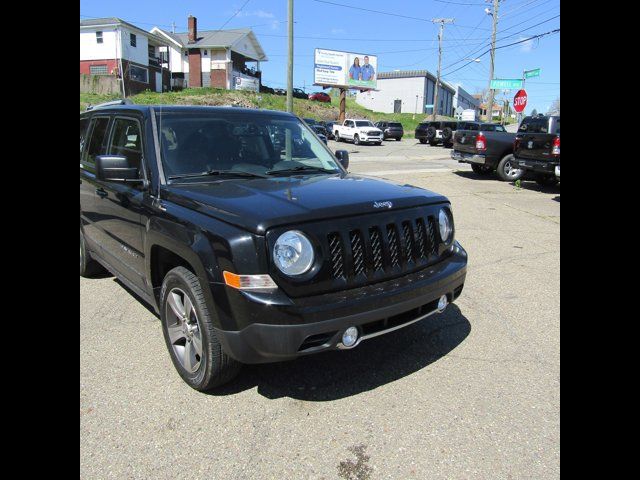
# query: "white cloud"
256,13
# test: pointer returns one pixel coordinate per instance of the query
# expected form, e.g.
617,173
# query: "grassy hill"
243,98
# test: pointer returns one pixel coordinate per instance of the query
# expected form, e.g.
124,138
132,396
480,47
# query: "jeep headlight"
445,224
293,253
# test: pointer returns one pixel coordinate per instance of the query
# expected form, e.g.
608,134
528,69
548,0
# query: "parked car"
391,130
320,131
330,127
487,147
265,89
439,132
280,91
310,121
179,203
299,93
358,131
320,97
537,148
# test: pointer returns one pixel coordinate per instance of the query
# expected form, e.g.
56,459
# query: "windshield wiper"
239,173
301,168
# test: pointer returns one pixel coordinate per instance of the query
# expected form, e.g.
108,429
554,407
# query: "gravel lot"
472,393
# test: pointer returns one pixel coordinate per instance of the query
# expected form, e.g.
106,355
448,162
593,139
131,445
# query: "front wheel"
398,139
507,170
187,326
423,140
480,169
356,140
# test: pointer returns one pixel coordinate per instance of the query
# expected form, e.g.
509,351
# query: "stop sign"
520,101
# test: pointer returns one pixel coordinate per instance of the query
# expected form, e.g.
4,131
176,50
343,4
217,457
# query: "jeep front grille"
394,247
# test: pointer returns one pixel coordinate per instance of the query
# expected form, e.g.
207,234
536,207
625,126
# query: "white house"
216,58
109,46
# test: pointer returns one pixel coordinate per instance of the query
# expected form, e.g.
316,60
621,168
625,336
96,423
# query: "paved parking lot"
472,393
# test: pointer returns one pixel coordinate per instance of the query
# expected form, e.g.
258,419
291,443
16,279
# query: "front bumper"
463,157
366,138
558,171
537,166
289,328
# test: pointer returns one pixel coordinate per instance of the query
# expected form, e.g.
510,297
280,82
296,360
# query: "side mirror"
343,158
115,168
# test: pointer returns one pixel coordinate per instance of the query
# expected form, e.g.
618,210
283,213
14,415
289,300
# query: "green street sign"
506,84
532,73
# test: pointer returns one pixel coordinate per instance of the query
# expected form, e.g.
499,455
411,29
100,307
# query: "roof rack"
123,101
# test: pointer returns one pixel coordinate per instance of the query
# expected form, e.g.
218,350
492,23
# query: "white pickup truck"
358,131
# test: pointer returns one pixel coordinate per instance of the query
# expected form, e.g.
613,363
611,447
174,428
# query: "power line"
234,15
380,12
457,3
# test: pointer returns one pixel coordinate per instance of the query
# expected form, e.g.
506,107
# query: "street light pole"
494,14
290,62
441,21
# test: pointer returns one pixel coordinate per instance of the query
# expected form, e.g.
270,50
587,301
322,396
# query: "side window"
126,141
97,145
84,125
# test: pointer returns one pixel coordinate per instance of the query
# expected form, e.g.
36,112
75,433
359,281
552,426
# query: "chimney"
193,29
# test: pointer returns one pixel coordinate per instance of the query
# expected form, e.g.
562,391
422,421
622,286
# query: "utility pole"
441,21
290,63
494,14
173,27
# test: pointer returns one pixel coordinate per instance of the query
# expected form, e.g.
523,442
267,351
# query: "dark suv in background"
250,239
537,148
436,132
391,130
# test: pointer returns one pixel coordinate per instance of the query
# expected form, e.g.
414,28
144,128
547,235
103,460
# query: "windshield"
228,142
362,123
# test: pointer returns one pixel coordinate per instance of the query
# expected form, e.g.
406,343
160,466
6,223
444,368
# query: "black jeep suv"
251,240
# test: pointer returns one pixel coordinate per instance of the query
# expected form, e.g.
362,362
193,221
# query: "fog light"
350,337
442,303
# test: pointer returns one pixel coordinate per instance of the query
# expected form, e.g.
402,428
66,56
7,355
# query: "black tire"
480,169
447,134
423,140
215,366
399,139
88,267
506,170
546,180
356,139
431,134
433,143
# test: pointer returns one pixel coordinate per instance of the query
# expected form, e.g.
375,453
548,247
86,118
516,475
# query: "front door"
158,82
119,204
397,106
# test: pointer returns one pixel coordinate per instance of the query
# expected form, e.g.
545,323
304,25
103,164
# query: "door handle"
101,192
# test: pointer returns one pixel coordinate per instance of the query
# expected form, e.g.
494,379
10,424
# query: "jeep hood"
257,204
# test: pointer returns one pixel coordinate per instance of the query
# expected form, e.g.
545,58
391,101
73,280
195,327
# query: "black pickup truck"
251,240
537,148
487,147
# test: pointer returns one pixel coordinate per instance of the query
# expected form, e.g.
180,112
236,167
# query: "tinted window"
451,125
471,126
97,144
489,128
500,128
126,141
557,127
396,125
84,124
534,125
364,124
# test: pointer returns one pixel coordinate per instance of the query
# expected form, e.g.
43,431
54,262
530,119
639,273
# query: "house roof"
216,38
413,74
114,22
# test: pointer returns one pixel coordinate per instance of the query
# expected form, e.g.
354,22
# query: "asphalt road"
472,393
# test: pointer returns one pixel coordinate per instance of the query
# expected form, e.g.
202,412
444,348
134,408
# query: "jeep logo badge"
382,205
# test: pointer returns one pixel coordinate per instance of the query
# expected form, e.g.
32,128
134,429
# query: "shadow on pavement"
338,374
474,176
140,300
532,185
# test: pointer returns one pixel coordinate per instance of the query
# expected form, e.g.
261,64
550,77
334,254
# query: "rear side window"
488,128
97,144
395,125
451,125
84,125
126,141
556,130
500,128
471,126
534,125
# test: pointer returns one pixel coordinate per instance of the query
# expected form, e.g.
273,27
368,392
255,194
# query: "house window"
205,52
186,53
133,40
139,74
99,37
152,51
98,69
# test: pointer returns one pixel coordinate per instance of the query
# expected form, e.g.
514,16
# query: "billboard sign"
345,69
245,82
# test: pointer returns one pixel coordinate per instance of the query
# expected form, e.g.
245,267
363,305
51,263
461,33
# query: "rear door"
94,144
535,139
119,204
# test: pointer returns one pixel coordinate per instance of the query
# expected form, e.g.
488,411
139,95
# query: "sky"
400,33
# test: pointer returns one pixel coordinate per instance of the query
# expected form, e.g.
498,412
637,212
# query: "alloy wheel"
183,327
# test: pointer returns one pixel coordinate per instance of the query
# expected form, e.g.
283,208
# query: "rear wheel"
480,169
423,140
507,170
337,136
433,143
356,139
194,347
88,266
546,180
398,139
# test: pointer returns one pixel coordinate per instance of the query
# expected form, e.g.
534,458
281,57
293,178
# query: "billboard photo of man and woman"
362,70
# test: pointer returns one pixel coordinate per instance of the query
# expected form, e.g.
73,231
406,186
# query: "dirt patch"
358,470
